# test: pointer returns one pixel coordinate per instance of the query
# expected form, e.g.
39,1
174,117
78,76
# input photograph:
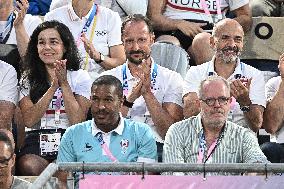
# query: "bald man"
247,83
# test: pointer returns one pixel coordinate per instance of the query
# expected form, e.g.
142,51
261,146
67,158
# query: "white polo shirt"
271,88
198,73
168,88
107,32
8,83
30,23
80,84
191,9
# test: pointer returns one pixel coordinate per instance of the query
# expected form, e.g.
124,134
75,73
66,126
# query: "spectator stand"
262,47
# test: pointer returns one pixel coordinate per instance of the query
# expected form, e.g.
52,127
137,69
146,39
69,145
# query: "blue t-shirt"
136,142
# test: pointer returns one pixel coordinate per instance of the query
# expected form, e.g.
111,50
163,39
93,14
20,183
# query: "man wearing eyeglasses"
247,83
7,161
209,137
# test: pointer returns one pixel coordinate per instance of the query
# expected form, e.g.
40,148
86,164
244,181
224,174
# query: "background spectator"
183,21
100,41
8,94
273,8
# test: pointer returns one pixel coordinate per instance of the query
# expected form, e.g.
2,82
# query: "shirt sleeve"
114,29
251,150
84,84
191,81
257,87
8,86
32,24
147,149
271,88
66,152
174,90
235,4
173,150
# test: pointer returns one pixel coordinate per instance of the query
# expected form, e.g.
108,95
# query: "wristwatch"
102,58
127,104
245,108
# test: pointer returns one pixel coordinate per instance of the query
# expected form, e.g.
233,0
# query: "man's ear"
212,42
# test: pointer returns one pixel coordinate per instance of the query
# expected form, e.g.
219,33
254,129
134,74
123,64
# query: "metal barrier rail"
155,167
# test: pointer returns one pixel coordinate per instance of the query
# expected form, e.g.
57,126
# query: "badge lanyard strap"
105,147
92,16
57,107
207,12
10,22
203,148
91,39
125,85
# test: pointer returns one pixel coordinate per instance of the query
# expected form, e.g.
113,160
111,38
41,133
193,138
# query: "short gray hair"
210,79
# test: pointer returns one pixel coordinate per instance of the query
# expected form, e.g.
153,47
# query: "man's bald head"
228,24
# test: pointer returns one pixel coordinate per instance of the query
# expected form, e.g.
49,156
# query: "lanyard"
93,16
4,38
99,136
125,85
58,106
207,12
202,152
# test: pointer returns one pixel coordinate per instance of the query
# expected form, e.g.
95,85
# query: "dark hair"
111,81
34,68
137,18
6,139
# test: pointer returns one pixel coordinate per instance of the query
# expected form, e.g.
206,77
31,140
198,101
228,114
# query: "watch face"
102,57
245,108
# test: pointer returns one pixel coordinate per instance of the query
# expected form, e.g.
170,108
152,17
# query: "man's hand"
281,65
21,8
240,91
90,49
190,29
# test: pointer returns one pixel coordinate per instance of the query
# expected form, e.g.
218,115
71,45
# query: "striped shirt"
238,144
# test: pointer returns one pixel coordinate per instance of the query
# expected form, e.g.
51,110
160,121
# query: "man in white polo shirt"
152,92
274,116
97,31
8,94
247,83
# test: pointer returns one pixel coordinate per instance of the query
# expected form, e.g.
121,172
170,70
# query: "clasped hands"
143,86
240,91
60,77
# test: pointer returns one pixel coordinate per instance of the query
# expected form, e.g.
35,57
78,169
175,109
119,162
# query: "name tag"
51,123
49,144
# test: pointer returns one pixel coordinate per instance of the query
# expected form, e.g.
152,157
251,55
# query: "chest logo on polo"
87,147
124,144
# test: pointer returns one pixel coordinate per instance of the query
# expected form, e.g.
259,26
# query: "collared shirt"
168,88
198,73
8,83
107,31
238,144
271,89
129,142
30,23
80,84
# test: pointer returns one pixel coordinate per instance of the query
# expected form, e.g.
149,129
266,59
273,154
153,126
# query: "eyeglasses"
221,100
5,162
